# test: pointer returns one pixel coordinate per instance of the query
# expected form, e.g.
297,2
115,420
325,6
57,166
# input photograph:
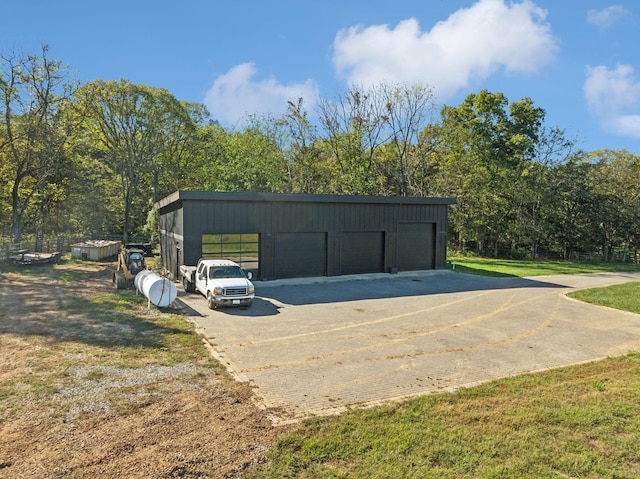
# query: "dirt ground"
71,407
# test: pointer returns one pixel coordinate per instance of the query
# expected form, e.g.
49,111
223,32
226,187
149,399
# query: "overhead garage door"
416,246
362,252
300,255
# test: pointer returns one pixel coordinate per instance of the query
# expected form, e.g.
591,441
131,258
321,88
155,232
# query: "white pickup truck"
221,281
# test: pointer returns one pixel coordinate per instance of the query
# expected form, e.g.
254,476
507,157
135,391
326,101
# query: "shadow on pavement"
260,307
339,289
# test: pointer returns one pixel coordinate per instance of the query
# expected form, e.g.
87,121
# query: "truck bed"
188,271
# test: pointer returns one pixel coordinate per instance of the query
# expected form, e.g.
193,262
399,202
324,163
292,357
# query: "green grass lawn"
505,267
573,422
620,296
580,421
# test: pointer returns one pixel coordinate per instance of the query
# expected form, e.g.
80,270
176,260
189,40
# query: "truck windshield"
226,272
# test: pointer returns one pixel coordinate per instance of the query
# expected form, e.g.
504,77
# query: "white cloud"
237,94
471,44
607,16
613,97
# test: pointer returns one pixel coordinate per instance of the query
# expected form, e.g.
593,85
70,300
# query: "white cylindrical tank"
160,291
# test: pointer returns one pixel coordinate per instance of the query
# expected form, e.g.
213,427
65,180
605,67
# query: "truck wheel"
210,302
188,287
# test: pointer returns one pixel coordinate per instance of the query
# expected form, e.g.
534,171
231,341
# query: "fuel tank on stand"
160,291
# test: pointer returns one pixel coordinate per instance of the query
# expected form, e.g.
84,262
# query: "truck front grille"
235,291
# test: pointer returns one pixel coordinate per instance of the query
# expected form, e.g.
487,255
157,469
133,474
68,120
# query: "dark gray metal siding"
285,221
170,223
362,252
300,255
416,246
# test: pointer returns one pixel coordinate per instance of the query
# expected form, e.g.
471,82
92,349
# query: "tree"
33,93
308,170
488,145
207,167
373,137
406,112
354,125
617,187
176,146
573,202
254,159
551,150
134,129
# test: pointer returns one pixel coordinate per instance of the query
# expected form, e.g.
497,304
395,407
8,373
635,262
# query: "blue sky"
579,60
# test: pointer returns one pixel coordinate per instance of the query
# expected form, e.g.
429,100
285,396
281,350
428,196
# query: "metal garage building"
298,235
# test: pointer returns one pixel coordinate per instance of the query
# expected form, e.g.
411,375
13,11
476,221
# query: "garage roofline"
199,195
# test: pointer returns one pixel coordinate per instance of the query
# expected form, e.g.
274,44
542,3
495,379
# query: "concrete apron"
318,346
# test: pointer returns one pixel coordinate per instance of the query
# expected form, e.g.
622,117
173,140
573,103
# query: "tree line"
93,158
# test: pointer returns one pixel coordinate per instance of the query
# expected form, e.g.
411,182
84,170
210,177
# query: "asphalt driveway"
317,346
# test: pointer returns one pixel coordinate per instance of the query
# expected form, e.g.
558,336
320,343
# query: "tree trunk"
534,248
125,228
16,217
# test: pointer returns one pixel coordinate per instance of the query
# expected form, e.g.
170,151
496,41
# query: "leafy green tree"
429,178
131,127
255,160
354,128
488,144
569,212
249,160
177,146
210,156
91,211
534,185
33,93
308,169
372,138
406,113
617,188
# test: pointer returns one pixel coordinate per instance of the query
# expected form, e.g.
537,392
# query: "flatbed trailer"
26,258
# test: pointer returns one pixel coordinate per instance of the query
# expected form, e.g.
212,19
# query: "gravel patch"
90,387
